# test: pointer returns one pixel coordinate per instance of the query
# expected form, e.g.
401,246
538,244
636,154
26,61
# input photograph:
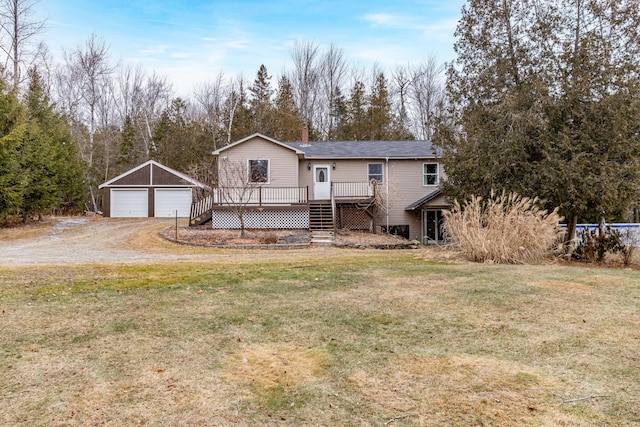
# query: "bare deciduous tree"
426,91
236,189
88,75
333,70
18,27
209,98
305,78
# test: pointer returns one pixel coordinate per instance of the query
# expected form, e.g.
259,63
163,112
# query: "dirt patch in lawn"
462,390
273,365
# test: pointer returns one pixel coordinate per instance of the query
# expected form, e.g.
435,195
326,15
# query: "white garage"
170,200
150,190
129,203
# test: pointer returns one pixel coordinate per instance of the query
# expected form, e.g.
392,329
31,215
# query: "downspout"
386,183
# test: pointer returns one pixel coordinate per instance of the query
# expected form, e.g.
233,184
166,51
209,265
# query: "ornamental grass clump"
506,229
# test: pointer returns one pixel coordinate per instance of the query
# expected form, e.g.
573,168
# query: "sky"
191,42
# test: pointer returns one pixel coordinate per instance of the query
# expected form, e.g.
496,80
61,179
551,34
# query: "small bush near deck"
507,229
269,239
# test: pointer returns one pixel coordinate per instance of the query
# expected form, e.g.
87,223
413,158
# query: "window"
397,230
259,171
374,171
430,174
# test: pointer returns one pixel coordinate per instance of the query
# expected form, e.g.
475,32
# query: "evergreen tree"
355,125
545,94
288,123
379,110
12,182
126,156
338,115
50,164
260,103
181,142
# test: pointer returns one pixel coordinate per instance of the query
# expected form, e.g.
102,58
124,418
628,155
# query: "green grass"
345,340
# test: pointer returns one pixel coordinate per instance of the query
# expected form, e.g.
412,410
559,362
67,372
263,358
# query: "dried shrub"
507,229
269,239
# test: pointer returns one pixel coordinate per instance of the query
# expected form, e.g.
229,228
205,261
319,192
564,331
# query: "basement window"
397,230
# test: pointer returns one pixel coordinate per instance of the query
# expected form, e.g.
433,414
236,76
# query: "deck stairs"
321,223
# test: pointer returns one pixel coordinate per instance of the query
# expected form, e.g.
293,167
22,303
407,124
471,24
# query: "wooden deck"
273,197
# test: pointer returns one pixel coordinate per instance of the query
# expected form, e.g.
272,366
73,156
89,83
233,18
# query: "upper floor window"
259,171
375,171
430,174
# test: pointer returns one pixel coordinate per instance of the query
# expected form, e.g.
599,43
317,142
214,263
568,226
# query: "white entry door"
321,182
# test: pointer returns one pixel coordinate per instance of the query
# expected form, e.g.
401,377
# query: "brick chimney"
305,136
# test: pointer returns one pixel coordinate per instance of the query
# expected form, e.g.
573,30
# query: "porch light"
334,165
309,165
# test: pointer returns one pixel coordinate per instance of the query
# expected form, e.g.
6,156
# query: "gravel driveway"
93,240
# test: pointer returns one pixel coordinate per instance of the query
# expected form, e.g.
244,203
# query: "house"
150,190
382,186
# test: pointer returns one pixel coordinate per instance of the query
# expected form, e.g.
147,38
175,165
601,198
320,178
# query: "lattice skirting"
352,218
266,219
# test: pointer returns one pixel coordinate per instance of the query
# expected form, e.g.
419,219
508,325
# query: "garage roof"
188,181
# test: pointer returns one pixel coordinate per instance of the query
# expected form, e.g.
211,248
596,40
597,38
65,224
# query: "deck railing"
353,190
274,196
200,208
260,196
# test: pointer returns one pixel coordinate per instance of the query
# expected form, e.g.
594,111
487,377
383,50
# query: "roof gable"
256,135
152,164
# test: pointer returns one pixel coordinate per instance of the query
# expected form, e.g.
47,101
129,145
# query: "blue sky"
191,41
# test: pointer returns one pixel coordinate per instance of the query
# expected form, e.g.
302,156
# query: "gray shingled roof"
418,203
365,149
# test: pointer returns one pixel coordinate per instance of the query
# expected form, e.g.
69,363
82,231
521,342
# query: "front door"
321,182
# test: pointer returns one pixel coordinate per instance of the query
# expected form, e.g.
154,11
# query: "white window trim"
381,171
268,181
425,174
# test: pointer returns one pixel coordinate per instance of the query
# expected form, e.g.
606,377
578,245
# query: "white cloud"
406,22
394,21
160,49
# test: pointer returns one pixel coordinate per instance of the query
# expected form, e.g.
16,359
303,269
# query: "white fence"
630,232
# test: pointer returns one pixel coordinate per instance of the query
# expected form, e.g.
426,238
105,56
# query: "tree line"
119,116
544,100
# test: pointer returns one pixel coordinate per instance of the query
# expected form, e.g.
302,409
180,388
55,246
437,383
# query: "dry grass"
359,339
504,229
22,231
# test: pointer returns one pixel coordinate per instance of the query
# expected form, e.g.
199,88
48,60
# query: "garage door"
168,200
129,203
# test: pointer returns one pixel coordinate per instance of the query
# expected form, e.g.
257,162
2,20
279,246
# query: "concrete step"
320,236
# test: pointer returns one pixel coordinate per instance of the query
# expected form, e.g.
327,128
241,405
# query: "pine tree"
379,110
288,123
126,156
50,164
355,125
260,103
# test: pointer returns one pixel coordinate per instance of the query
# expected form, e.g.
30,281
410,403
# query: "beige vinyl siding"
345,171
405,187
283,162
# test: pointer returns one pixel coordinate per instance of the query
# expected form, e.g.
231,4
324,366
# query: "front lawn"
371,338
